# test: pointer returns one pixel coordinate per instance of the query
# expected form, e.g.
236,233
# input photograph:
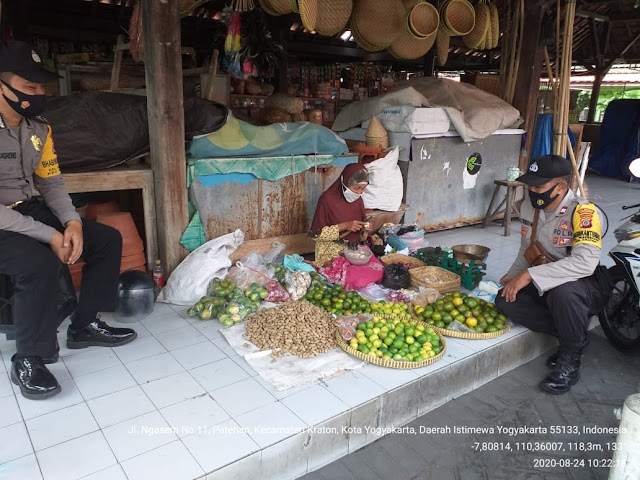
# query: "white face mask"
349,195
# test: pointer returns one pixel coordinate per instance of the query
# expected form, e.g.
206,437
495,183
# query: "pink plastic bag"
354,277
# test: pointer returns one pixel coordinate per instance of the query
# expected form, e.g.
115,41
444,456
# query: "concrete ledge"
468,365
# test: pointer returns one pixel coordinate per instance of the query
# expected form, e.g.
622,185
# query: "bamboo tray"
392,258
389,363
455,334
446,281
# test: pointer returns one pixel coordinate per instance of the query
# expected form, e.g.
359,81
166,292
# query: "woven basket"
266,6
453,333
379,22
281,7
435,277
294,6
442,46
186,7
333,16
408,47
495,24
309,13
376,135
423,21
479,32
394,363
458,16
400,258
362,43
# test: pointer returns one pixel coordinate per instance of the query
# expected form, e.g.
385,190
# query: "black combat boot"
566,373
552,361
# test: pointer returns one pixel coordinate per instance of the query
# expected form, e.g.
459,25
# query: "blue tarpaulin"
619,139
543,139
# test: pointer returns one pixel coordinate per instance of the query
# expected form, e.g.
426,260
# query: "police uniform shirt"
28,158
571,233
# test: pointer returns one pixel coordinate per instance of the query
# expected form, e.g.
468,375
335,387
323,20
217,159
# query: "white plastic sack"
385,188
407,118
189,281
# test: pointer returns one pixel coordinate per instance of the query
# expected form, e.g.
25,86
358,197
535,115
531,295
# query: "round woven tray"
453,333
362,43
333,16
408,47
458,16
422,276
266,6
400,258
379,22
479,32
394,363
423,20
443,40
308,13
281,7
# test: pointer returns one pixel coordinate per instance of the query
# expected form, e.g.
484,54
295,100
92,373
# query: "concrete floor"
513,400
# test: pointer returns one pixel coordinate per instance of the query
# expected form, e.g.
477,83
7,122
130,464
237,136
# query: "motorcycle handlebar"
627,207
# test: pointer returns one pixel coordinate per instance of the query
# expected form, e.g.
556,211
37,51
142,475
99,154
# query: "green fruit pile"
228,303
397,339
475,313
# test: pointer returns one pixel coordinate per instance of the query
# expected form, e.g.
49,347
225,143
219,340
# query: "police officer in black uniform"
39,237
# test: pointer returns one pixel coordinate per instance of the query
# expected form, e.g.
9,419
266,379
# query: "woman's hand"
352,226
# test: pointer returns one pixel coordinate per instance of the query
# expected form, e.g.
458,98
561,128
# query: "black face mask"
26,105
544,199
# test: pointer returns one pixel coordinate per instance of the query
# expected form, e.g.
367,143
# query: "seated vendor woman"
341,204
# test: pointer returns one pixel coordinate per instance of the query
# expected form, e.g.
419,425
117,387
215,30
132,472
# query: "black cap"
19,58
545,168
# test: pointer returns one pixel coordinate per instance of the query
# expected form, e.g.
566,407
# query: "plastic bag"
277,293
347,324
426,297
251,269
297,284
273,255
189,281
396,277
296,262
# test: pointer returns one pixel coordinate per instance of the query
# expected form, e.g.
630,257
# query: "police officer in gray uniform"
551,287
39,237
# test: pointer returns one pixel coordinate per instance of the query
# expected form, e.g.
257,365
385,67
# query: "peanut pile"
298,328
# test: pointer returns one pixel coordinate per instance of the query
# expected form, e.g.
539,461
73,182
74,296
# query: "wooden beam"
595,16
595,93
613,59
163,66
528,80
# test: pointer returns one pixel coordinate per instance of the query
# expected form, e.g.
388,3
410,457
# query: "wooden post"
595,93
525,98
163,67
430,63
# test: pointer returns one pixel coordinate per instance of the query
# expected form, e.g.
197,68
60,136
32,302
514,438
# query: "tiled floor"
178,403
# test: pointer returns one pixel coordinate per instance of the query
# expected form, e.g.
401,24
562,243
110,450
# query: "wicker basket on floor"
435,277
400,258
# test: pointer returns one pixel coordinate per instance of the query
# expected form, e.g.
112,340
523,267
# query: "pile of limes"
475,313
397,339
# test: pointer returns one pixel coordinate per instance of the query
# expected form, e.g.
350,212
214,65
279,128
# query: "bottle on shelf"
158,274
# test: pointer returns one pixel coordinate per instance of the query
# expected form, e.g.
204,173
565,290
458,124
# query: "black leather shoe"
552,361
55,357
566,373
98,334
36,382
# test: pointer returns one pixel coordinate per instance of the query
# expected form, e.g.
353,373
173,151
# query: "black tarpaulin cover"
98,130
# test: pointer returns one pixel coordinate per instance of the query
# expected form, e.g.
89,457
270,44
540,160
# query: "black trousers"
563,311
36,272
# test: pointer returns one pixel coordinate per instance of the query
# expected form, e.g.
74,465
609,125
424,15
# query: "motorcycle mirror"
634,167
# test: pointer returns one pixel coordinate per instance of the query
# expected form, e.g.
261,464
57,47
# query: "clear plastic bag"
347,324
252,268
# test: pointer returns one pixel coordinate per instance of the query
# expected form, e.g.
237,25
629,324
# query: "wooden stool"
511,206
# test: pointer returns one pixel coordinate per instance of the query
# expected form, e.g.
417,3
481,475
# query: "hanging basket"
379,22
442,46
362,43
266,6
475,38
333,16
458,16
407,46
495,24
308,13
280,7
294,6
423,21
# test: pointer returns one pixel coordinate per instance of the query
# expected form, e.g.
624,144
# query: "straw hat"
479,32
379,22
308,13
442,45
458,16
423,20
333,16
376,135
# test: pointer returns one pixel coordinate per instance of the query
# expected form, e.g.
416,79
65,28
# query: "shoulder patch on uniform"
41,119
586,226
48,166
